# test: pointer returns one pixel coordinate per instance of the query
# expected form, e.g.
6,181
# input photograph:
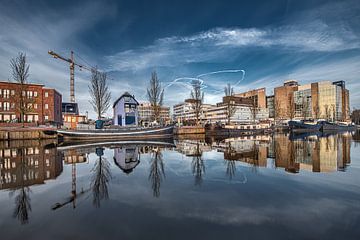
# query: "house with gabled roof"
125,110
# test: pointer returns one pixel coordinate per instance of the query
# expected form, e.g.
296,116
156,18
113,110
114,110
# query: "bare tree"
291,108
254,109
155,96
316,111
355,116
230,107
20,74
327,112
197,97
278,109
99,92
305,106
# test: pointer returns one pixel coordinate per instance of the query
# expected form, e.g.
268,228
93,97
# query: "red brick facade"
43,104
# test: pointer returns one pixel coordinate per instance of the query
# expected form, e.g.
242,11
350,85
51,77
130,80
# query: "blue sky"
271,41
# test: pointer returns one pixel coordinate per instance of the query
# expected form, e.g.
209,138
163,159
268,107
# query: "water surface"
263,187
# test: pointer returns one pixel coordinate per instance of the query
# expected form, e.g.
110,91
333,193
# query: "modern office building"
257,95
125,109
330,100
270,105
146,114
243,111
41,105
284,100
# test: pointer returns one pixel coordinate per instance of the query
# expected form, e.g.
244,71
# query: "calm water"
264,187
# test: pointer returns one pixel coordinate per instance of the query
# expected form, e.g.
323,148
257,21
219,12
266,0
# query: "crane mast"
72,65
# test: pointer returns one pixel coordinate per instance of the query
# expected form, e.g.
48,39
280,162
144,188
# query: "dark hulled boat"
303,126
132,133
329,126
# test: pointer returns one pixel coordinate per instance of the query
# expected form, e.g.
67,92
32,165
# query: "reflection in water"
22,192
27,163
127,158
157,172
198,166
23,164
311,152
100,178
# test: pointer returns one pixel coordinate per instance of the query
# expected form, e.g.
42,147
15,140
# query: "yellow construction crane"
72,63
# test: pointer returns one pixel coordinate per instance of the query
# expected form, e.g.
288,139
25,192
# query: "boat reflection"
27,163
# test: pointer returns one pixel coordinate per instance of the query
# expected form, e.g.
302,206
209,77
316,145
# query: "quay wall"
7,134
189,130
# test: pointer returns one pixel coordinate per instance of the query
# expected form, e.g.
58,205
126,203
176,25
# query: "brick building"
284,99
43,104
258,95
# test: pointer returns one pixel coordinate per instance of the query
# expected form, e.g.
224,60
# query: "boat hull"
303,127
118,134
326,126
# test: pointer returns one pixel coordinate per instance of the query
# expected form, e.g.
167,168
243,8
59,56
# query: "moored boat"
131,133
329,126
304,126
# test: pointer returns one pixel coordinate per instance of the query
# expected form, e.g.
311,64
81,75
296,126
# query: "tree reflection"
255,157
100,179
198,166
22,199
230,163
157,172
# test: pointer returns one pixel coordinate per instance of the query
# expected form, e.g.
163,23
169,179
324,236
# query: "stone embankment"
27,133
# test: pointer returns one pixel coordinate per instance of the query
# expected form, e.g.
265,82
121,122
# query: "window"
46,106
35,106
12,105
36,118
46,117
6,117
6,106
1,92
46,94
12,92
6,93
29,94
35,94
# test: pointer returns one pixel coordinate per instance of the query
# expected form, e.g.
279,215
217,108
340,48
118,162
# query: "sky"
249,44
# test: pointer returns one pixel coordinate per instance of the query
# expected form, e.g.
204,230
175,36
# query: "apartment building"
146,113
42,104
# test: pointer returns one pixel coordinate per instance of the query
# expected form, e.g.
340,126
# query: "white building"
218,113
125,110
146,114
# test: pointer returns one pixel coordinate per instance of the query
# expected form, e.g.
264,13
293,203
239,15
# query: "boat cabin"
126,110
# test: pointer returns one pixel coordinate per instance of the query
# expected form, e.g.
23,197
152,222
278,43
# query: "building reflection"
312,152
28,164
127,158
23,164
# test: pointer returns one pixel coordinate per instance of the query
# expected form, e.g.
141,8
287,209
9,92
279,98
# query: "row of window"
6,106
6,93
27,118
